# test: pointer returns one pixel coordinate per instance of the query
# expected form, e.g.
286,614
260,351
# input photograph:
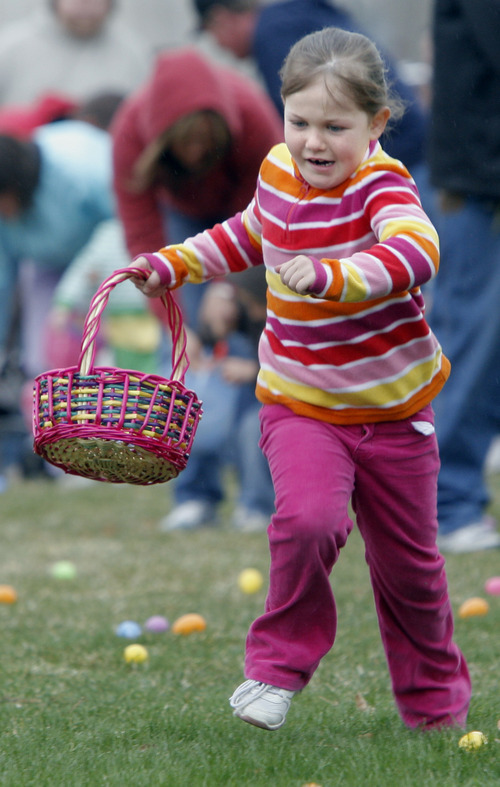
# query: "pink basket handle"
180,361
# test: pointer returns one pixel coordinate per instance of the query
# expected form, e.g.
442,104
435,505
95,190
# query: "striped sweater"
360,350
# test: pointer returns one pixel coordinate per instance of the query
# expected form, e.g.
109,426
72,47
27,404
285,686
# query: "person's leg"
313,480
196,494
466,319
37,287
199,488
395,505
255,502
200,480
9,283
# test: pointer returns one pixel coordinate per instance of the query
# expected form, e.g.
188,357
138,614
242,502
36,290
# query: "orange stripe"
314,309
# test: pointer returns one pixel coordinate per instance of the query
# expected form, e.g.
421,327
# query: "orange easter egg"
7,594
473,606
189,623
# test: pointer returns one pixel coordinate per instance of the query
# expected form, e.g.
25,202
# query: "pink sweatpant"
389,471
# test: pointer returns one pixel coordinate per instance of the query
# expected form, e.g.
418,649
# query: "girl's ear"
379,122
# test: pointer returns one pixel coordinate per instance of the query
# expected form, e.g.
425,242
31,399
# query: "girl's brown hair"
351,60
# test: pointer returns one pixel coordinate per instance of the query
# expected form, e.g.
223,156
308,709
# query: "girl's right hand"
153,286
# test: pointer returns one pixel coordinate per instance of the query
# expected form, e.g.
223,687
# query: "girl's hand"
152,286
298,274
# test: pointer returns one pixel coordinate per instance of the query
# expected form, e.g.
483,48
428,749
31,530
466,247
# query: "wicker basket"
112,424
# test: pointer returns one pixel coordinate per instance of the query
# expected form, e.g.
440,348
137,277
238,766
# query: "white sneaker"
189,516
471,538
261,704
492,463
247,521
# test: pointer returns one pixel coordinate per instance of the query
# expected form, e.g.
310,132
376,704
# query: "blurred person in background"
55,188
20,120
464,161
52,60
73,47
266,32
50,202
187,147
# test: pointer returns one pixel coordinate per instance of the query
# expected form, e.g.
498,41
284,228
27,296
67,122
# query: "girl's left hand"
298,274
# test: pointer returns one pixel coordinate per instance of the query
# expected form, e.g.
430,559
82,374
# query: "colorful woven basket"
112,424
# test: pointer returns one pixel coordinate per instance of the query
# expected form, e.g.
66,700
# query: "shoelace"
249,691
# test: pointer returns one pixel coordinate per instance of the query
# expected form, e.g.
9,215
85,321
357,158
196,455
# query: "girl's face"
327,134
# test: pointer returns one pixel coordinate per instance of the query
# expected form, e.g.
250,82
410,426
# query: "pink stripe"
365,374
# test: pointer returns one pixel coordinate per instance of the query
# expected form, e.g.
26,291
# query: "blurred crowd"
109,147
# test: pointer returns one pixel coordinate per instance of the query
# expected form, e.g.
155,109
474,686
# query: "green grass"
73,713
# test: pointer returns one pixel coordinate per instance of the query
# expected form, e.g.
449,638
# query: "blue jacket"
280,25
73,194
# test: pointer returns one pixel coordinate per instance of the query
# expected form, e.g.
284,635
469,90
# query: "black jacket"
464,144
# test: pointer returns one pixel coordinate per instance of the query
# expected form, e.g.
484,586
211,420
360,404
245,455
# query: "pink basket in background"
117,425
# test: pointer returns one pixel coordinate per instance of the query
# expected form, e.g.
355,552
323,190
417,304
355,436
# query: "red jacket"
185,81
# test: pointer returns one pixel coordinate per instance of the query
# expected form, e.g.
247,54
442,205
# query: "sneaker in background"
472,538
248,521
190,515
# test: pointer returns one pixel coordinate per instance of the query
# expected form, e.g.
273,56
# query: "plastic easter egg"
63,569
157,624
7,594
135,654
473,606
492,586
250,580
189,623
128,629
472,740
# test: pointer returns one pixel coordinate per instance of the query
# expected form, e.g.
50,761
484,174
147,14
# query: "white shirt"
38,55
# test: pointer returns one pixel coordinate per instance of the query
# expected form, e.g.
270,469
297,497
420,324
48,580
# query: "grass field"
73,713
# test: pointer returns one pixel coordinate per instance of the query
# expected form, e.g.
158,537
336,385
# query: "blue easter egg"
129,629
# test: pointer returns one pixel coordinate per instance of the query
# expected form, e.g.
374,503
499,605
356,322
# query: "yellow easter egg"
472,740
135,654
189,623
473,606
250,580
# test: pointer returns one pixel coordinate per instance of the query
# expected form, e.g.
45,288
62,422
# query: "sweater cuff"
321,281
161,265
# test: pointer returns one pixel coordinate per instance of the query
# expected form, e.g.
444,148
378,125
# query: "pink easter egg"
492,586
